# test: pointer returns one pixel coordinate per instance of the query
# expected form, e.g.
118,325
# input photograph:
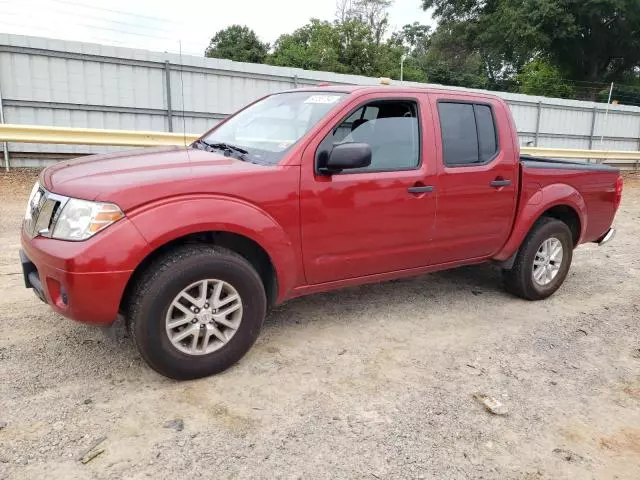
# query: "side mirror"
346,156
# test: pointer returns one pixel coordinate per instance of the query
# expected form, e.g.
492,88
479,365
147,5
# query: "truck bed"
593,186
538,162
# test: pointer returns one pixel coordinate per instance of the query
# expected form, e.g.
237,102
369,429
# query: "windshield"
268,128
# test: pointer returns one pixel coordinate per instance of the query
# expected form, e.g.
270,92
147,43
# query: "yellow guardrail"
92,136
574,153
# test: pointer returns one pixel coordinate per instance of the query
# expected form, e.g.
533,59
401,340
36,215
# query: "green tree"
238,43
374,13
358,48
315,46
347,46
540,77
444,57
388,59
414,38
589,40
597,40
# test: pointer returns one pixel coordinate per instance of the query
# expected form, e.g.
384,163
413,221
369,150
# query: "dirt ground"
372,382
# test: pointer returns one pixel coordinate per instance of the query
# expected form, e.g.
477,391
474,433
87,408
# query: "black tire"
519,279
160,284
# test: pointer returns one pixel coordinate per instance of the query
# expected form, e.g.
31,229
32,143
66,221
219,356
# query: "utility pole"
606,116
402,59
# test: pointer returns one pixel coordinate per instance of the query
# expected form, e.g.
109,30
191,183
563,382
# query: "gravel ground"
370,382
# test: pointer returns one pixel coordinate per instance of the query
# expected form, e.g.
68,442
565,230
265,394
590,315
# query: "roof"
364,89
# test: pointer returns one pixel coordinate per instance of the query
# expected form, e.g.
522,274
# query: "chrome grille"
43,209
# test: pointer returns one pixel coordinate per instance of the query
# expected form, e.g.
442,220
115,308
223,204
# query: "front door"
478,179
376,219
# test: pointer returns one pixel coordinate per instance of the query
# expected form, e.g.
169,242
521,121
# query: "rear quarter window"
487,141
468,133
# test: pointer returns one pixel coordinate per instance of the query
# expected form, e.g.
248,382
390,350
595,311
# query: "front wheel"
196,311
543,261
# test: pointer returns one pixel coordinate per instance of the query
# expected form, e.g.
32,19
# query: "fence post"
5,147
637,165
538,123
593,129
167,84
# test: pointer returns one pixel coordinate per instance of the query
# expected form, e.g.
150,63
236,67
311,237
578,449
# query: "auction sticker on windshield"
323,99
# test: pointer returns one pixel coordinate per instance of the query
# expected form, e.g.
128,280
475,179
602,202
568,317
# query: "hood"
136,177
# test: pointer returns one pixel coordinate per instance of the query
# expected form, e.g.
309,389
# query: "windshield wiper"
226,147
200,144
240,152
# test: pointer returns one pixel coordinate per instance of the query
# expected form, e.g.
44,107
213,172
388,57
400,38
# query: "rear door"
376,219
478,176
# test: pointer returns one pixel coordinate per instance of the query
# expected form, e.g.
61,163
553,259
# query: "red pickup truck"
301,192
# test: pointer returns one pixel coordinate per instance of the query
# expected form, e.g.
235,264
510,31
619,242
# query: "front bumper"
83,281
83,297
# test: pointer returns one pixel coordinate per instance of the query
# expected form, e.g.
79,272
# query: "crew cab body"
441,184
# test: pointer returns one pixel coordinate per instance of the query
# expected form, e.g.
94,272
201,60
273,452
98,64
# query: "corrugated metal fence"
53,82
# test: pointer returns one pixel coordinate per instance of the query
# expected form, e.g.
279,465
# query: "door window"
389,127
468,133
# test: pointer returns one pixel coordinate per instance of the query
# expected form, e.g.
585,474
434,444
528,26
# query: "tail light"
618,198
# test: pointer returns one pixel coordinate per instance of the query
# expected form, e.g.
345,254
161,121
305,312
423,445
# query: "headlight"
81,219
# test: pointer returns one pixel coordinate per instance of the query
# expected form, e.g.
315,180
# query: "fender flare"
549,196
191,214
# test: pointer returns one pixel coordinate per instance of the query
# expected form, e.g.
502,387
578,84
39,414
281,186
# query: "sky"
165,25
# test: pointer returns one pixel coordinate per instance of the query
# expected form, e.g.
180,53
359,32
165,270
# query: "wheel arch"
228,222
246,247
559,201
569,216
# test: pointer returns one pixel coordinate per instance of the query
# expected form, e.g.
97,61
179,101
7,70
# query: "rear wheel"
196,311
543,261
